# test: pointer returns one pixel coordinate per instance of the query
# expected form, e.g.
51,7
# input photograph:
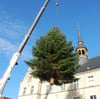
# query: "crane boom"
15,57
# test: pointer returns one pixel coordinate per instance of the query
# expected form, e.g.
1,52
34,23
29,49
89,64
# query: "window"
79,52
24,91
30,78
90,80
76,97
32,89
63,87
93,97
75,84
83,52
48,88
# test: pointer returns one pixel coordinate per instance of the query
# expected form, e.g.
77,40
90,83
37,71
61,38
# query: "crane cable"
56,4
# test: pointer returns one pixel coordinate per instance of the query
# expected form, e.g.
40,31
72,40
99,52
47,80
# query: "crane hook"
57,4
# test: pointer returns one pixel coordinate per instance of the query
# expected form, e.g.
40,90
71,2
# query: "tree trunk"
51,81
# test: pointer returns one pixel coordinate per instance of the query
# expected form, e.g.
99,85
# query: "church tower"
81,49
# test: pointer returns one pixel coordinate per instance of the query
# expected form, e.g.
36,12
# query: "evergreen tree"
54,58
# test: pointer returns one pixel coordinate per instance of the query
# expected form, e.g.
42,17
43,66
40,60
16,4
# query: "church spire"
79,34
81,49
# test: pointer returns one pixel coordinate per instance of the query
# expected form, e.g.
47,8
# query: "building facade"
86,87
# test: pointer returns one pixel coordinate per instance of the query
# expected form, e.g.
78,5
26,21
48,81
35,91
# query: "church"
86,87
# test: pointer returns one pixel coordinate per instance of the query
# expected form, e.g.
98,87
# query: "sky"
16,17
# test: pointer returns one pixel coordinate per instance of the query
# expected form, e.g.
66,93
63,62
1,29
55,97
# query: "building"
86,87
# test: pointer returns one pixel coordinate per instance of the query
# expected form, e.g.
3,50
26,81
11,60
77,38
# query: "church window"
79,52
30,78
75,84
48,88
63,87
77,98
93,97
24,91
32,89
83,52
90,80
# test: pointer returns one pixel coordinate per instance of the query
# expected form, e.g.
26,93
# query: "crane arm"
16,55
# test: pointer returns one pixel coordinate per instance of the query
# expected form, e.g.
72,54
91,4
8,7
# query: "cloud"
11,34
11,27
6,47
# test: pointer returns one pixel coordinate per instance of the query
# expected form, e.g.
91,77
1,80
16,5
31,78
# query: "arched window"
83,52
79,52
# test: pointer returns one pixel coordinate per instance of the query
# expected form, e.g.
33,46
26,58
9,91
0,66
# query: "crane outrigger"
17,54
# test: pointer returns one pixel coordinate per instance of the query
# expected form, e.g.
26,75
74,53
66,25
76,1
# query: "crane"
17,54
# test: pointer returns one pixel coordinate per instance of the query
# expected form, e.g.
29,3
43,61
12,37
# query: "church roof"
80,41
91,64
81,46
